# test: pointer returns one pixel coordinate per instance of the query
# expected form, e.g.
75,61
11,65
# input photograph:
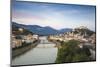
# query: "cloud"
56,17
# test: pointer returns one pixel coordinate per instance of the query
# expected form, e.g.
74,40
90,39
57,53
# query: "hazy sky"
55,15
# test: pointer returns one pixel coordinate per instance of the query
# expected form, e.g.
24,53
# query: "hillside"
19,30
83,31
45,31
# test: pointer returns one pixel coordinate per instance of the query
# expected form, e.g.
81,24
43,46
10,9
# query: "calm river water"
45,52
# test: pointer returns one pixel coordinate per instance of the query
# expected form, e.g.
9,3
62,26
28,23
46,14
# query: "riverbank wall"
19,51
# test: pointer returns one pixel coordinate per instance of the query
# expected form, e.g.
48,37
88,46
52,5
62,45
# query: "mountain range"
47,30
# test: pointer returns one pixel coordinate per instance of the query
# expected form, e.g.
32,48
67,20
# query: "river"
43,53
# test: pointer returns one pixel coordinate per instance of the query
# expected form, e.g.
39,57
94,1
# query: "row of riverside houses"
18,40
72,36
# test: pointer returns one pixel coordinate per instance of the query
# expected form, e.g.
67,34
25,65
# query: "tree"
70,52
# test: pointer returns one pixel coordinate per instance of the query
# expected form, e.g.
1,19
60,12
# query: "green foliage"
70,52
80,57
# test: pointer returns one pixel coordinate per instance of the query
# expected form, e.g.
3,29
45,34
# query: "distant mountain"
41,30
65,30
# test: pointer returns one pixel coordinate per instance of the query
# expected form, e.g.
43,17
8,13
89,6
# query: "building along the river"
68,36
17,40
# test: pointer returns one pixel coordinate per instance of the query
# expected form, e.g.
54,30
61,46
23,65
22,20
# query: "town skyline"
57,16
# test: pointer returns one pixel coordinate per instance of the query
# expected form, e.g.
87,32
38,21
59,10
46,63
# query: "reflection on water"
45,52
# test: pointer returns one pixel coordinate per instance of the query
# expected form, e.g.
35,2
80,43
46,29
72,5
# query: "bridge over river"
43,53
